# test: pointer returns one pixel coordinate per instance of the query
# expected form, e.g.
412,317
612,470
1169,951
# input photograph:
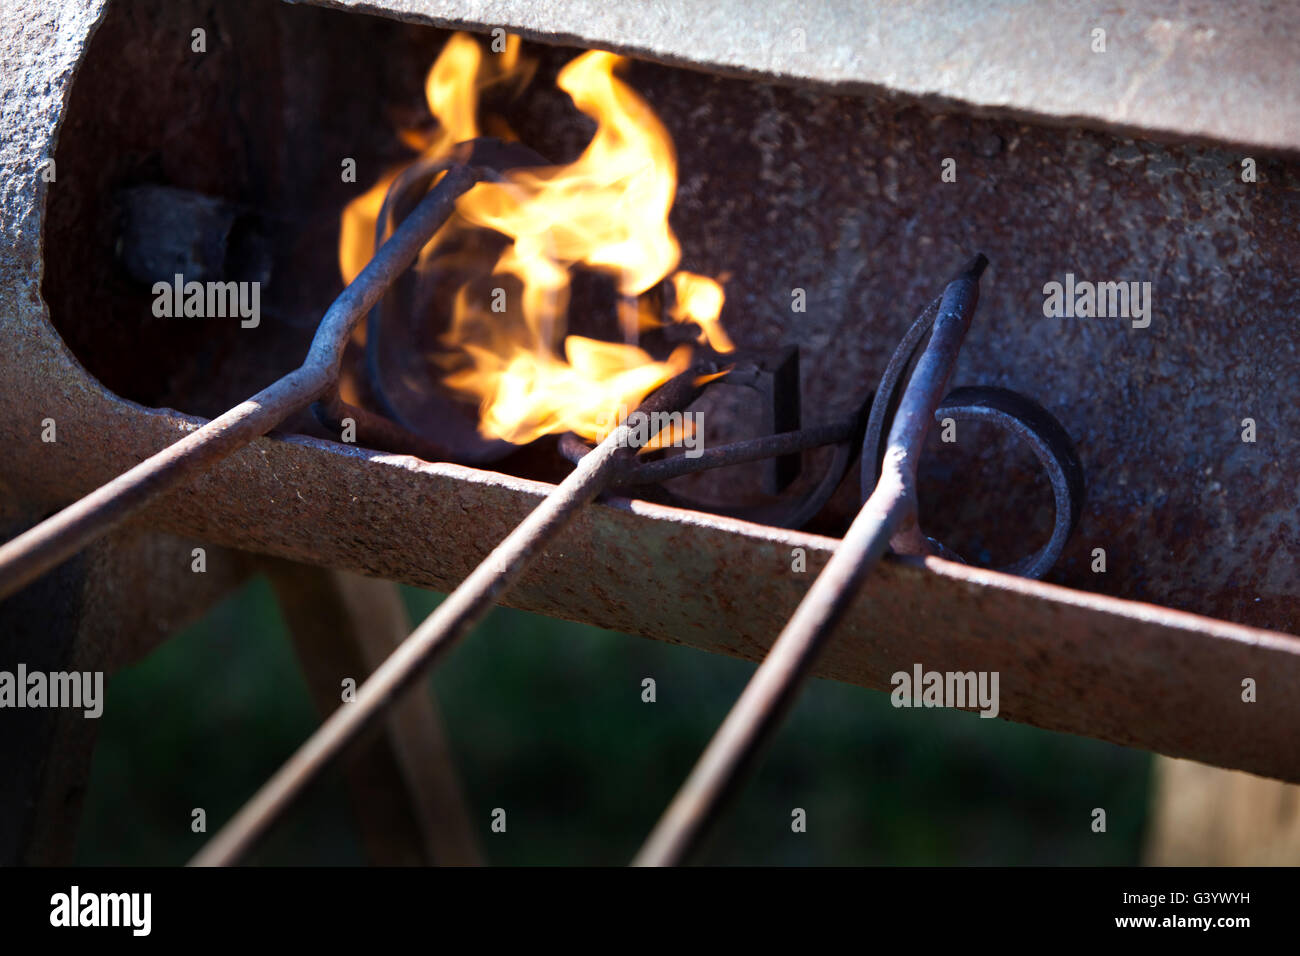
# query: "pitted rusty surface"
787,189
843,199
1187,68
839,196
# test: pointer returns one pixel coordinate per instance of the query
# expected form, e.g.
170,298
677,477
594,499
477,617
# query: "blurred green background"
546,720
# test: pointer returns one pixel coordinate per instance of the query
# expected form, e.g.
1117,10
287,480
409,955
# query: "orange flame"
699,300
451,91
607,211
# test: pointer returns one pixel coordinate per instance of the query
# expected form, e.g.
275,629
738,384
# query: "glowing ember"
606,211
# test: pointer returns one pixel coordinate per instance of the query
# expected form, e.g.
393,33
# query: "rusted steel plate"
1203,69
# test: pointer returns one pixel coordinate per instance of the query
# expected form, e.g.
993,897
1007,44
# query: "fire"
699,300
451,91
606,211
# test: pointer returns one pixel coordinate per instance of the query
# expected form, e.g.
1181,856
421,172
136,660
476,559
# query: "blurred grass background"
546,720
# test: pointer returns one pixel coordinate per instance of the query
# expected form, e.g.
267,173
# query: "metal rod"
733,453
442,629
888,514
62,535
736,453
377,431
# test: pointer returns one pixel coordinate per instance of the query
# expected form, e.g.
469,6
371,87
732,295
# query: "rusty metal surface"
45,546
1124,672
1151,412
784,189
1187,68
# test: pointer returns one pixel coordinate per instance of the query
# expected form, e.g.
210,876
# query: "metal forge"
1078,656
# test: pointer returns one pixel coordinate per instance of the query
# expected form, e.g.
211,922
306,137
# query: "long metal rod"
62,535
888,514
442,629
737,453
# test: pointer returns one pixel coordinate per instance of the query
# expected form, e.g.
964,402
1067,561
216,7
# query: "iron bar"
376,431
1010,411
443,628
733,453
737,453
889,515
62,535
783,412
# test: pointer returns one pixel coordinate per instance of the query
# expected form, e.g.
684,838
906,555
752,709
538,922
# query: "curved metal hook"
1016,413
1036,426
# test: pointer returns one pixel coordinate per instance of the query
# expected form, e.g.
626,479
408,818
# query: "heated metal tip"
973,269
